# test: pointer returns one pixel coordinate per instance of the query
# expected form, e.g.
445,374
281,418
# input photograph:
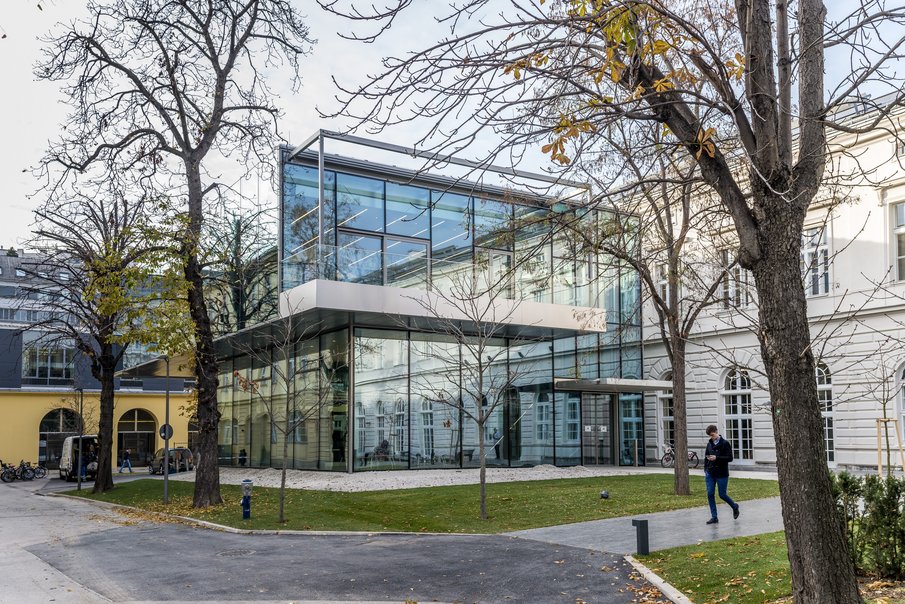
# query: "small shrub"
872,510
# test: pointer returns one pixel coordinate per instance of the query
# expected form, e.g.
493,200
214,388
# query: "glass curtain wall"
530,408
302,259
382,401
485,384
334,393
435,400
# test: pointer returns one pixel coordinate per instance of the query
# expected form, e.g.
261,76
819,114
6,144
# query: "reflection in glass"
567,427
406,264
485,382
300,222
334,394
381,399
360,259
408,211
531,405
493,224
437,426
631,429
450,227
361,201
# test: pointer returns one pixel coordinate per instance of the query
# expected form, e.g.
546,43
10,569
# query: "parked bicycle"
21,472
669,458
40,470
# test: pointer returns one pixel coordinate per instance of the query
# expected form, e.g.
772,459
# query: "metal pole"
81,433
166,438
641,537
320,207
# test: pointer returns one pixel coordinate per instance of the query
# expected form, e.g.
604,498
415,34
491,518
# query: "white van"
69,458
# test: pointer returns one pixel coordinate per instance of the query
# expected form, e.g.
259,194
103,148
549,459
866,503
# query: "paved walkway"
666,529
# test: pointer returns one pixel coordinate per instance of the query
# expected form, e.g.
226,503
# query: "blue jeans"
126,463
722,483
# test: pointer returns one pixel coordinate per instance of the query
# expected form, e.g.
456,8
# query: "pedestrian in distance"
127,461
496,441
717,456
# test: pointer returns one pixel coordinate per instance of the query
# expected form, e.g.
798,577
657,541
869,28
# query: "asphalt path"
78,552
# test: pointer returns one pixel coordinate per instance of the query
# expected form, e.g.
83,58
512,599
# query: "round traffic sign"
166,431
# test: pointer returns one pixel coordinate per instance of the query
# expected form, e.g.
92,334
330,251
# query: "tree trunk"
483,472
207,476
822,570
282,518
680,447
106,365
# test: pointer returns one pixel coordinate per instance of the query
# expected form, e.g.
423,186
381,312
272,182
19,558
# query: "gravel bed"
405,479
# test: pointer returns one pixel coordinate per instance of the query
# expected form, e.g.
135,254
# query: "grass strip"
741,570
448,509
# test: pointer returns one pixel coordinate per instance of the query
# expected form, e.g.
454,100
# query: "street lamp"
166,437
81,433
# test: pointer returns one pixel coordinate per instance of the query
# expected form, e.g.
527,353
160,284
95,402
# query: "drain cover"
236,553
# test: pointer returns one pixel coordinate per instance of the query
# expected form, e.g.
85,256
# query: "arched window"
194,433
137,430
53,430
665,409
825,399
739,429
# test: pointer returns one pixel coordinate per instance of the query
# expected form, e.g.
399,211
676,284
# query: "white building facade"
853,269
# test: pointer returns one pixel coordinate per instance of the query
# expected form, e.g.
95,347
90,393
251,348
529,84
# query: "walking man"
716,471
127,461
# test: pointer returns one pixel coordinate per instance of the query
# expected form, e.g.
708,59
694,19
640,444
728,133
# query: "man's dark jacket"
718,468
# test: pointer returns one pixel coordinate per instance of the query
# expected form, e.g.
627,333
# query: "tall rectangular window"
899,236
667,419
543,421
815,270
735,282
737,412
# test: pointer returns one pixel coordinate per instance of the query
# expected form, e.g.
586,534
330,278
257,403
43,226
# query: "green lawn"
742,570
453,509
745,570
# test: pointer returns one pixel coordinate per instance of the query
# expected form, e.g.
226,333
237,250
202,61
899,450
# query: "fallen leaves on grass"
874,591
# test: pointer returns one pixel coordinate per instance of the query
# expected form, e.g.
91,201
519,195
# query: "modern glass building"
368,370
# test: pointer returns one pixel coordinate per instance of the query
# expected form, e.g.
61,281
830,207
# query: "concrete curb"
674,595
238,531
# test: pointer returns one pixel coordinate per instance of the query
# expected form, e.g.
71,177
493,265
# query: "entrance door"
596,429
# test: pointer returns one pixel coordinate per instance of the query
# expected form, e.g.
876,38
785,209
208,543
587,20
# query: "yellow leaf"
660,47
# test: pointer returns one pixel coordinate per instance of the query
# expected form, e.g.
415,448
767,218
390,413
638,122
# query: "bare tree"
671,233
467,369
95,281
293,382
161,91
722,84
241,271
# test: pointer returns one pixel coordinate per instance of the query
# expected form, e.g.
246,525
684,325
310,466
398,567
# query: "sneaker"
735,512
713,521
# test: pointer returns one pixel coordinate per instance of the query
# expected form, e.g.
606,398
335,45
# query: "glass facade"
416,398
377,232
373,397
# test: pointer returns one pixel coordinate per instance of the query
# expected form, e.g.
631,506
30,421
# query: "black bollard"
641,534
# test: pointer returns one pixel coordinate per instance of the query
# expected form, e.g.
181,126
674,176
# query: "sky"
32,110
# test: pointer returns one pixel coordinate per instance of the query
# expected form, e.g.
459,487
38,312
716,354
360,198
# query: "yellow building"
35,423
